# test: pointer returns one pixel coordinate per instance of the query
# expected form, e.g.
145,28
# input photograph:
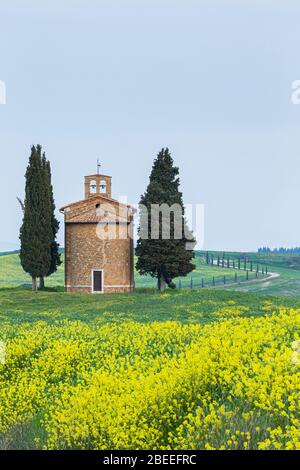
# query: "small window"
97,206
93,187
102,186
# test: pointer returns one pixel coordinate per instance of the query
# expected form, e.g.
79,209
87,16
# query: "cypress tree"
35,232
54,248
163,258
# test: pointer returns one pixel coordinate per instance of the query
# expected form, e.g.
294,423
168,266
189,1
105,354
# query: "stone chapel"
99,251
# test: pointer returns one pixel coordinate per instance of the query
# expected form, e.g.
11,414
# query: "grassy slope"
19,305
288,266
12,275
188,306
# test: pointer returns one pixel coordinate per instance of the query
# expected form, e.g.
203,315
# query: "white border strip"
90,287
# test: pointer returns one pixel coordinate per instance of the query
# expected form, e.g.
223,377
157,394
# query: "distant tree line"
280,250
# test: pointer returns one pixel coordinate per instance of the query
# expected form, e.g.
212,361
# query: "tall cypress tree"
54,248
35,233
163,258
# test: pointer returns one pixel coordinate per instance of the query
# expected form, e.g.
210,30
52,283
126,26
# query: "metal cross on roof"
98,166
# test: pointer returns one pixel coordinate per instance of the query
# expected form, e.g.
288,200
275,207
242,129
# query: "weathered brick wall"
84,251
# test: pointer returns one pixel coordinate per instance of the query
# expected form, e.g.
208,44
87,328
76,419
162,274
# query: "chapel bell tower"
97,185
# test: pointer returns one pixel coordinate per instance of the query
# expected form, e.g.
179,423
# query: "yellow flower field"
233,384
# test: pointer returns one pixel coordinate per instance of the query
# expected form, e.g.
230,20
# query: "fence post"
213,281
235,277
202,282
247,275
191,283
224,279
179,284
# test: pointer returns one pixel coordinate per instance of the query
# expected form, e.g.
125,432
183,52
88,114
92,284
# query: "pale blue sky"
120,79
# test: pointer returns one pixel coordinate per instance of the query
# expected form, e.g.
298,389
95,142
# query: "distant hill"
9,247
13,252
4,253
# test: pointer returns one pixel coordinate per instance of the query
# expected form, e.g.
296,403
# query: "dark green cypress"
162,258
55,255
35,232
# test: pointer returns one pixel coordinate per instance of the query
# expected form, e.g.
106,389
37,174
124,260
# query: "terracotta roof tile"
96,198
96,216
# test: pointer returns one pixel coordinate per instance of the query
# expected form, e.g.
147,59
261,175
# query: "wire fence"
221,280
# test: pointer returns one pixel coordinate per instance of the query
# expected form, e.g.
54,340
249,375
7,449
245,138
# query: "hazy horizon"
119,80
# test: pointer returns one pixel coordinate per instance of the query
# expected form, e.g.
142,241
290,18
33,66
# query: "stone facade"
98,241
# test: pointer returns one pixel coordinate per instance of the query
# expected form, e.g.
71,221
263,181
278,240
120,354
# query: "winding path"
269,277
